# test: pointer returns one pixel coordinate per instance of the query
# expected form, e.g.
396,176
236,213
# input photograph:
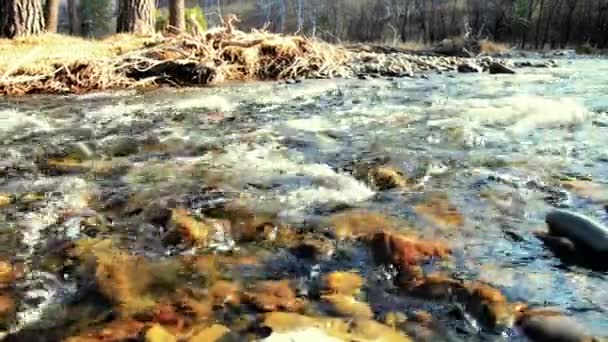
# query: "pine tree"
21,18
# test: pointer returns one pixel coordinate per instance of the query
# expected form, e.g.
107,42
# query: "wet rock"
334,328
345,283
157,333
440,211
119,330
5,200
347,306
435,286
225,293
469,67
190,228
486,303
595,192
313,248
405,252
247,225
216,332
499,68
274,296
386,178
8,274
543,326
81,150
580,229
122,278
157,213
61,166
7,310
356,224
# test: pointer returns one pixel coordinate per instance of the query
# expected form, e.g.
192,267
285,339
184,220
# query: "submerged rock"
547,326
5,200
356,224
7,310
484,302
8,274
386,178
347,306
580,229
216,332
335,329
440,211
118,330
499,68
314,248
345,283
158,334
274,296
405,252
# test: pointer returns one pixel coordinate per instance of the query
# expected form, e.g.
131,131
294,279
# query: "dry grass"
60,64
33,55
491,47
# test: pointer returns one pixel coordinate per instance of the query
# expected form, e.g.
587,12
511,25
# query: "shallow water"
497,147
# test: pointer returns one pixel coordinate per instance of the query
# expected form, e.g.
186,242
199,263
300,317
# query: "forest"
528,24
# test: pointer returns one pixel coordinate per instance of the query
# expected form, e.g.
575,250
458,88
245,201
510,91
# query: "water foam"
297,185
523,113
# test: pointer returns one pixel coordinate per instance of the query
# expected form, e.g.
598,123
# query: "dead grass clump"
58,64
492,48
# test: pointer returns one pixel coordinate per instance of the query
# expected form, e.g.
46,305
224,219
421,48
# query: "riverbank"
55,64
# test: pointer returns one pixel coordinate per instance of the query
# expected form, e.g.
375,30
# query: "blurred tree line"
533,24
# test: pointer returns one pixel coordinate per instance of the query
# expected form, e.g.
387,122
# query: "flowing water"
497,148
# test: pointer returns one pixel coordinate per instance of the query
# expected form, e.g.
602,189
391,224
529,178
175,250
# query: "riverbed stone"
547,326
405,251
355,224
345,283
216,332
440,211
579,228
499,68
469,67
7,310
340,329
274,296
347,306
7,274
157,333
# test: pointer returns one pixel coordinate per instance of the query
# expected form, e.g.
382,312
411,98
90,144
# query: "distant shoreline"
57,64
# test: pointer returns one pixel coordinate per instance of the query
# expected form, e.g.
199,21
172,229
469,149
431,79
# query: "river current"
502,150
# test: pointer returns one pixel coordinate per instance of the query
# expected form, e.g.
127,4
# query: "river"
500,150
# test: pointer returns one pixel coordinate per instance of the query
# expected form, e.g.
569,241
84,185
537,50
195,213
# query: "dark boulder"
498,68
469,67
578,228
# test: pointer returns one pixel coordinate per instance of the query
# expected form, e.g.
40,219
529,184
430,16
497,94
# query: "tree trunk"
177,16
21,18
571,8
556,8
51,15
75,23
135,16
538,22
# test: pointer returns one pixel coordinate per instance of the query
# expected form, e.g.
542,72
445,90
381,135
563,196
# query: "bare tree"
51,15
74,15
177,16
136,16
21,18
570,8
